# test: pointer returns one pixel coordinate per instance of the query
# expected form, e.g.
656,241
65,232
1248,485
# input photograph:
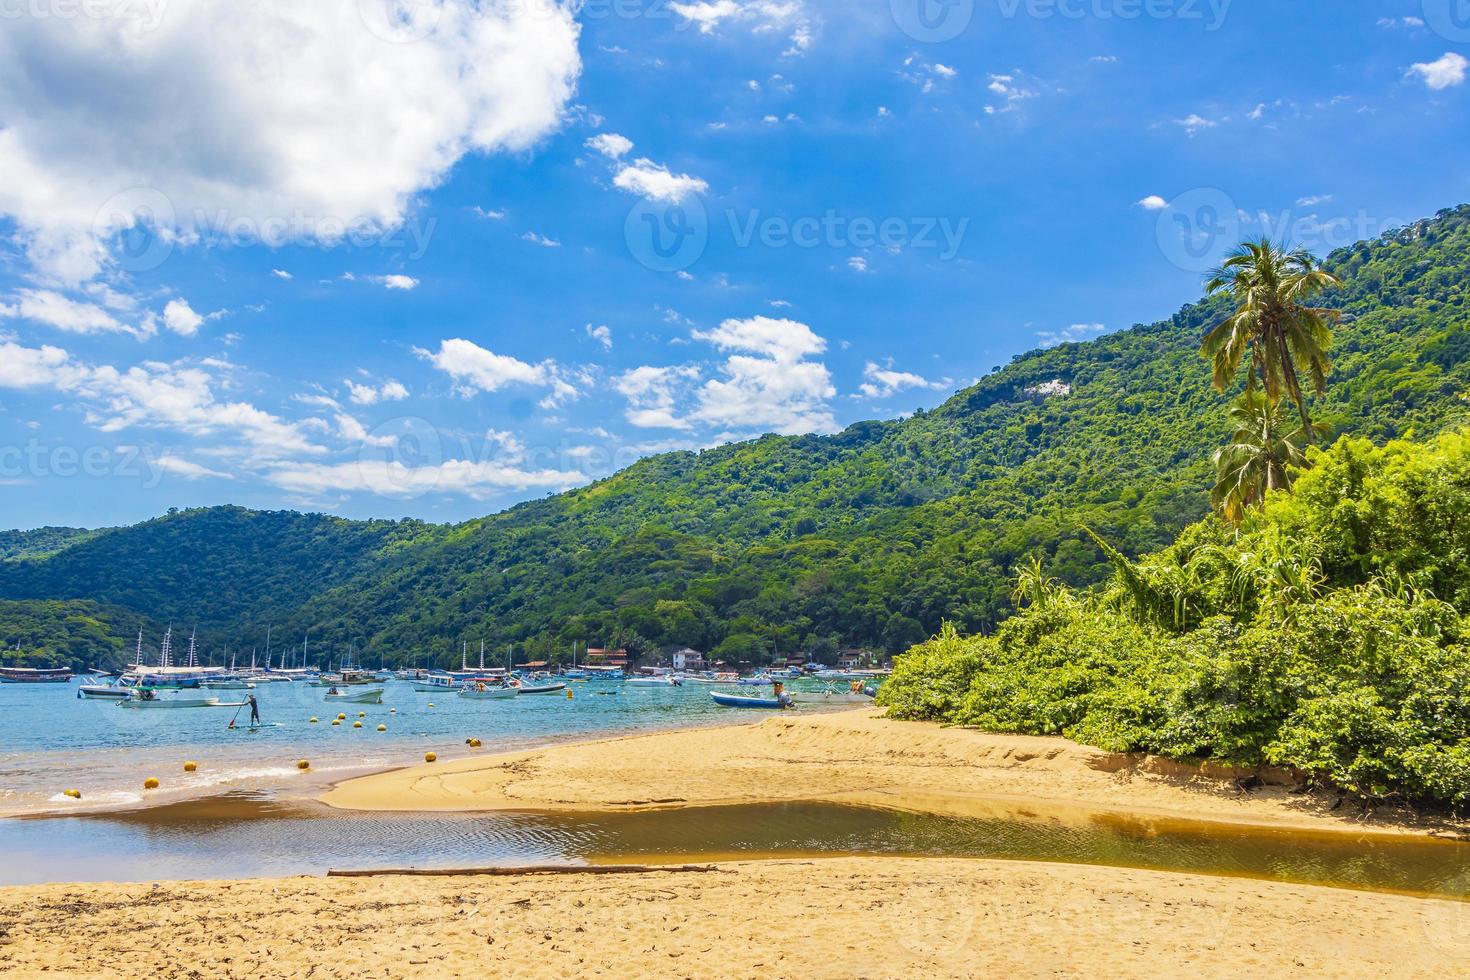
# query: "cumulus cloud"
1442,73
475,369
52,309
1153,203
342,126
760,16
778,388
188,469
370,394
613,145
653,394
395,280
656,182
180,317
881,382
178,397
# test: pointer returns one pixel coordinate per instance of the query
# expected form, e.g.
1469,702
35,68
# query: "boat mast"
137,657
193,657
268,648
464,656
482,656
163,651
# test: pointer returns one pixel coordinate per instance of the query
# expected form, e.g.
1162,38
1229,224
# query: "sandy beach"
808,917
849,756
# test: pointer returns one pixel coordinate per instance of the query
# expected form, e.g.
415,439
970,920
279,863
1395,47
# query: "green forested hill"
868,537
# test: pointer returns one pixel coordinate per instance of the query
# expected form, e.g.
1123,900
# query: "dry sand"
839,917
854,756
845,917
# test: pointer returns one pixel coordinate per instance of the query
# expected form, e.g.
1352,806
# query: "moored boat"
542,688
748,701
35,675
372,695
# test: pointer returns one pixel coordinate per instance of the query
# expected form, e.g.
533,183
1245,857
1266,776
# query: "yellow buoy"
431,704
75,794
313,719
302,764
362,714
569,694
474,743
190,766
336,722
382,728
150,783
357,724
392,711
342,717
429,757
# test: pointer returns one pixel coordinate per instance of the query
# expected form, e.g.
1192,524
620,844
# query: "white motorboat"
372,695
148,697
488,692
105,692
665,681
542,688
435,682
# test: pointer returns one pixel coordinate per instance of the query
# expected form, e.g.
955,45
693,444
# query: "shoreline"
858,757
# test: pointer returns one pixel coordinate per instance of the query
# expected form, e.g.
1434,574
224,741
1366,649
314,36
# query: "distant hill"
870,537
40,542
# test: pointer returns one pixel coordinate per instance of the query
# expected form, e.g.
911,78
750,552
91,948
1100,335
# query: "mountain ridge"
868,537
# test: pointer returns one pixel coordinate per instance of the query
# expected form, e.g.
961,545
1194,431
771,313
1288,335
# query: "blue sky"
429,260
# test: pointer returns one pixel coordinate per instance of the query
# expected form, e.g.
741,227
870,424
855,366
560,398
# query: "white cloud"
538,239
489,214
881,382
1194,122
1072,334
180,317
857,264
281,274
601,334
189,470
779,390
761,16
395,280
1153,203
1444,72
1313,200
653,394
293,119
779,339
475,369
177,397
611,145
55,310
392,478
368,394
655,182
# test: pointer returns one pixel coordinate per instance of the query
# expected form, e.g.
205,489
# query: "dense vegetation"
1328,636
871,537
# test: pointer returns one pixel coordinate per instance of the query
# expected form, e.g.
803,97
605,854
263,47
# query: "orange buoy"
302,764
190,766
430,757
150,783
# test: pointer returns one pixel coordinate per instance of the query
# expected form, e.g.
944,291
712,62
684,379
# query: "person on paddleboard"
254,710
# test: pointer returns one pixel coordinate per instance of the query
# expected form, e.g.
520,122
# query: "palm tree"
1256,460
1285,338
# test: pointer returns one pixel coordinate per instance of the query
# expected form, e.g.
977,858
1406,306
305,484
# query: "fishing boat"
748,701
435,682
542,688
35,675
371,695
105,692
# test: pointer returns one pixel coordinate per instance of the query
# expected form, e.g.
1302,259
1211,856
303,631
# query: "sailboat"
168,686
